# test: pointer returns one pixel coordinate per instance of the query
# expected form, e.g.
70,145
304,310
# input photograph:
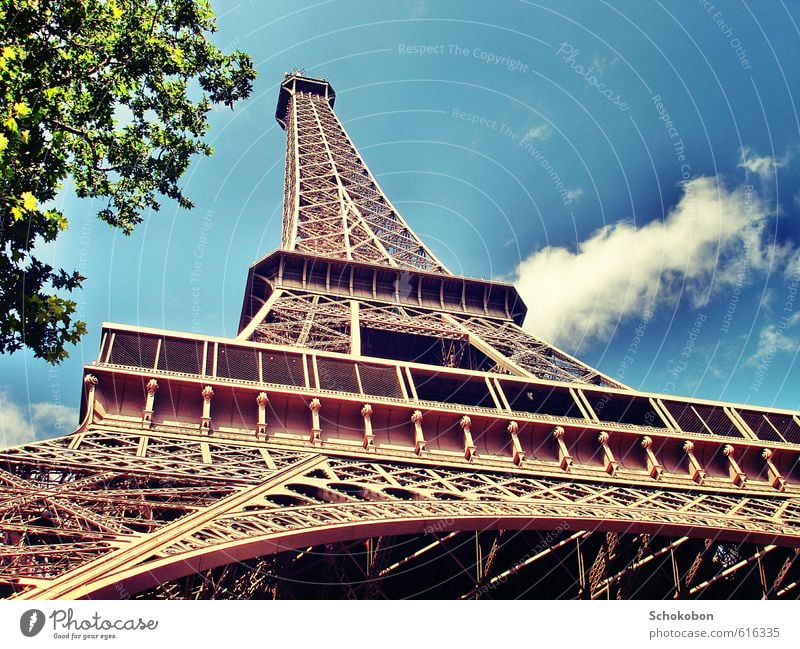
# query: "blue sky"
632,166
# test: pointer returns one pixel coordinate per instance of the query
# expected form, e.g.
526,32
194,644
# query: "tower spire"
333,206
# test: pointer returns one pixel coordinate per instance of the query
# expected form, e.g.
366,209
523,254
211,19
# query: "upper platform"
295,83
347,279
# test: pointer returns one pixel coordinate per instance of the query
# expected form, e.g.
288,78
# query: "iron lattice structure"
383,428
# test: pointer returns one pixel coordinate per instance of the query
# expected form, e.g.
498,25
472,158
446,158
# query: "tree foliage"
114,94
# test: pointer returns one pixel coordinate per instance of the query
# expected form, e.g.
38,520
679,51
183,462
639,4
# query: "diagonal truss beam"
333,204
74,584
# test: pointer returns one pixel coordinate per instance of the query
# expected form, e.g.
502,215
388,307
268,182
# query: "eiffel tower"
381,427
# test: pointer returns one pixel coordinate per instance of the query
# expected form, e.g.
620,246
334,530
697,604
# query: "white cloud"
53,419
762,166
712,234
15,428
572,195
537,132
769,297
792,269
600,64
40,421
774,339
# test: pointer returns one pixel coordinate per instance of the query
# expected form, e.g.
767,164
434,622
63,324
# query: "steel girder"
96,519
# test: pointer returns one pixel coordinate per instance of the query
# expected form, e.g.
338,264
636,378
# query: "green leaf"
21,109
29,201
58,108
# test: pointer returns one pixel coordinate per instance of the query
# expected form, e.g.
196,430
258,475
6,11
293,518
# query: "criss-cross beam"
523,563
79,582
606,582
18,491
416,554
727,572
333,206
246,525
788,563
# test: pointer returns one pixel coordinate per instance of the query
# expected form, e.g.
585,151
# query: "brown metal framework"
383,428
333,207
